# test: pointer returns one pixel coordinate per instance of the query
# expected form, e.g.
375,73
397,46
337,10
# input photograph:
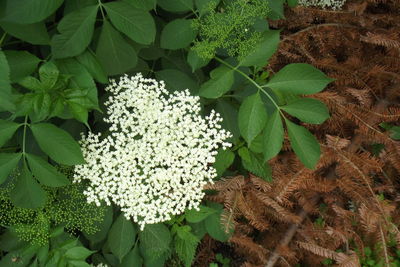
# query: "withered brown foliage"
275,223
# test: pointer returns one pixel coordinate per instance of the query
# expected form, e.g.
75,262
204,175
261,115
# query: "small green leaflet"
78,253
308,110
93,66
229,114
142,4
35,33
177,80
57,143
195,61
121,237
177,6
48,74
203,6
214,226
5,87
252,117
135,23
276,9
8,162
155,240
195,216
299,78
255,164
76,30
304,144
223,160
220,83
273,136
7,130
22,64
132,259
185,245
177,34
27,193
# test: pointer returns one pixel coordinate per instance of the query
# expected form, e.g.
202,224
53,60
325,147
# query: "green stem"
24,136
2,38
101,9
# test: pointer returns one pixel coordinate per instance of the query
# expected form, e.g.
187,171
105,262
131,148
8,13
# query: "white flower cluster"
332,4
158,154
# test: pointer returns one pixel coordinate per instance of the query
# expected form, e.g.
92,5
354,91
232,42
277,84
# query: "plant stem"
2,38
101,10
24,136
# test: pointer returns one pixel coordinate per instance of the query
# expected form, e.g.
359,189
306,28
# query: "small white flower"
332,4
158,154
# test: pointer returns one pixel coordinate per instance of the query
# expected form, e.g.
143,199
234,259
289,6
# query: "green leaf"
21,64
132,259
76,31
57,143
292,3
137,24
177,34
78,253
103,226
308,110
35,33
229,115
203,6
195,61
7,130
185,245
29,11
48,74
79,112
121,237
299,78
5,87
114,53
93,66
177,80
76,263
143,4
46,173
27,193
155,240
215,228
195,216
276,9
41,107
72,5
273,136
8,162
263,50
304,144
255,164
223,160
252,117
177,6
220,83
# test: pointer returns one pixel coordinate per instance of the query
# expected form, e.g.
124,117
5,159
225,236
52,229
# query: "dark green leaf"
215,228
72,5
185,245
143,4
5,87
137,24
76,263
299,78
46,173
255,164
292,3
8,163
176,5
195,216
103,227
76,30
177,80
35,33
273,136
223,160
114,53
229,115
93,66
27,192
155,240
195,61
32,84
132,259
7,130
304,144
79,112
276,9
204,6
57,143
252,117
220,83
121,237
177,34
308,110
78,253
21,63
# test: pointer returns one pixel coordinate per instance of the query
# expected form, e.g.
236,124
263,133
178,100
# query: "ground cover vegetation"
258,133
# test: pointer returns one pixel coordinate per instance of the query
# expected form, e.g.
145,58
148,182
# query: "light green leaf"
121,237
273,136
304,144
57,143
276,9
177,34
137,24
308,110
177,6
48,74
142,4
41,107
7,130
114,53
223,160
263,50
292,3
177,80
32,84
195,216
76,31
299,78
8,162
35,33
220,83
252,117
79,112
255,164
132,259
195,61
185,245
78,253
21,64
93,66
46,173
155,240
27,193
29,11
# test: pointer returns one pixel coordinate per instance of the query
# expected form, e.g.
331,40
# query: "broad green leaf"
78,253
256,145
79,112
93,66
299,78
132,259
177,6
204,6
21,63
72,5
57,143
177,80
177,34
155,239
229,115
185,245
263,50
29,11
114,53
219,84
76,31
292,3
252,117
48,74
32,84
5,87
214,227
137,24
121,237
276,9
273,136
223,160
255,164
195,216
41,107
308,110
7,130
46,173
27,193
8,162
304,144
35,33
142,4
195,61
103,226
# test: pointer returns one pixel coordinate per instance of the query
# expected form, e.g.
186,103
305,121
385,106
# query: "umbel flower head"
158,154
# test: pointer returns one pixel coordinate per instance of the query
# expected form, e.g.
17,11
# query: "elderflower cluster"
332,4
158,154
